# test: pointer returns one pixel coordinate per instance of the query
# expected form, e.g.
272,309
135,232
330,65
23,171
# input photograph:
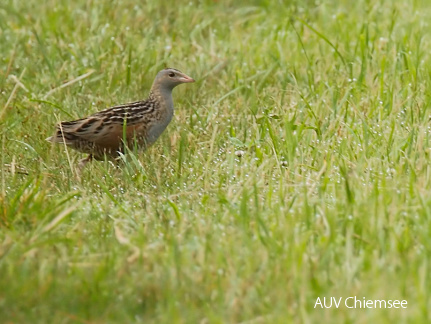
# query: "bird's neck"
162,95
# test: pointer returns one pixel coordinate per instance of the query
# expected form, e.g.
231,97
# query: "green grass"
329,102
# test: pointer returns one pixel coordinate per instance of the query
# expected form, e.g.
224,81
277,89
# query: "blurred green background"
296,167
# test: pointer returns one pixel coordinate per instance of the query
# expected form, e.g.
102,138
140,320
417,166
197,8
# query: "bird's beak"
186,79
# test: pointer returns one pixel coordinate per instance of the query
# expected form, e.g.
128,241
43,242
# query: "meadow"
296,167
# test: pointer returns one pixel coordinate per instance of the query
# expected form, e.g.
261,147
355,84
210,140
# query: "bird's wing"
107,127
129,114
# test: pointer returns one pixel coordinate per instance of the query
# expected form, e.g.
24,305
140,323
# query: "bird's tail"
62,135
55,139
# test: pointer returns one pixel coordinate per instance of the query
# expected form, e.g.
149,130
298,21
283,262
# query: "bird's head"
169,78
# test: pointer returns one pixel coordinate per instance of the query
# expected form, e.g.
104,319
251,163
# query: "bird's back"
104,132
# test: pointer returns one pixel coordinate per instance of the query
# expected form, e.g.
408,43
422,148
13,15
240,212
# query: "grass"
297,167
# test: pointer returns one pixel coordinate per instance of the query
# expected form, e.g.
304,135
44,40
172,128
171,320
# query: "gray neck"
164,96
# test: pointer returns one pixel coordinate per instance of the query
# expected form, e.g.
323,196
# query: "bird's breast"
156,128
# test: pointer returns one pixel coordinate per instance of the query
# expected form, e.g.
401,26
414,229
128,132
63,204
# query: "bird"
134,125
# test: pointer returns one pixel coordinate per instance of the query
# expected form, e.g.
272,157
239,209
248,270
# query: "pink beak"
186,79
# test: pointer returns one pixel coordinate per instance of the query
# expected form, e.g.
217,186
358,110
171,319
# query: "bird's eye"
172,74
